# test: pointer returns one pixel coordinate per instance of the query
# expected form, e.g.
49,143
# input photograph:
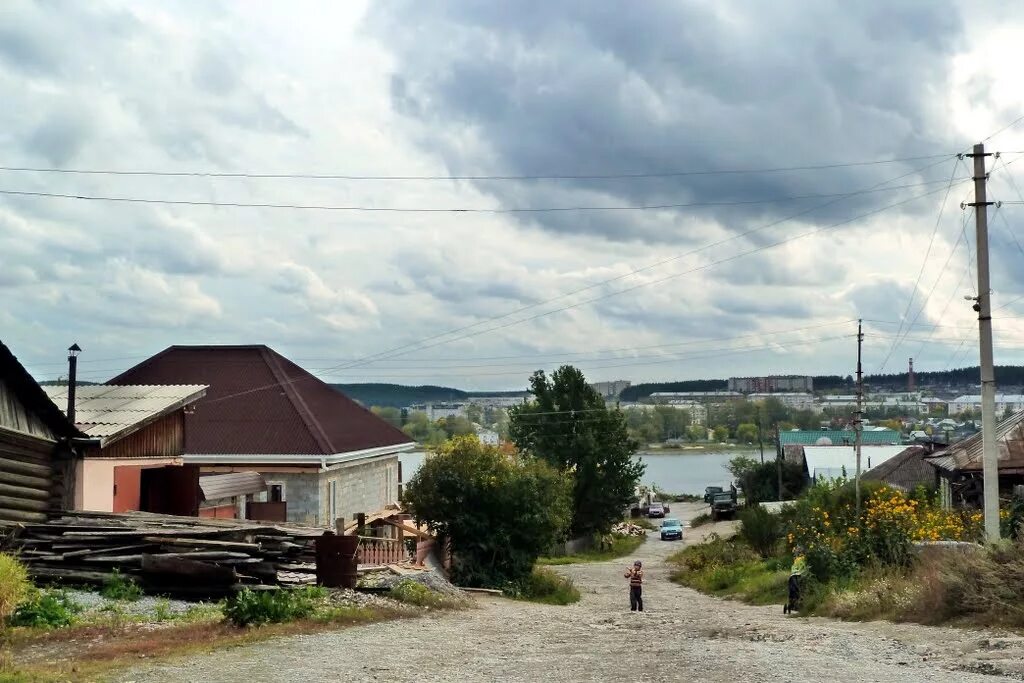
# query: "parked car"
671,530
656,510
711,491
723,505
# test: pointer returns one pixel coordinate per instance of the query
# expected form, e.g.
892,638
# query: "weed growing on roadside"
249,607
121,587
46,609
546,586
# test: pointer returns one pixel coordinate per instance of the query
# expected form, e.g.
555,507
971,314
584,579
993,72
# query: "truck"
723,506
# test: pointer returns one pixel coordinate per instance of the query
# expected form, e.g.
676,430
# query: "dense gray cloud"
584,88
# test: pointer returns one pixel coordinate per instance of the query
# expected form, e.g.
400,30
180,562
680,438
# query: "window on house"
276,492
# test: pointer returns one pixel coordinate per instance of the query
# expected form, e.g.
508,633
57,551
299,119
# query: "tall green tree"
569,426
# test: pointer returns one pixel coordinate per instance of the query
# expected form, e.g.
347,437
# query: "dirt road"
683,634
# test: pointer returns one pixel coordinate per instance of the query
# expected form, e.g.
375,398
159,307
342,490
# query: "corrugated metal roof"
839,437
218,486
106,411
259,402
831,462
966,454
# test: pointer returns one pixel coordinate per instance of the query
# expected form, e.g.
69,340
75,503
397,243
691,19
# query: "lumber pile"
187,556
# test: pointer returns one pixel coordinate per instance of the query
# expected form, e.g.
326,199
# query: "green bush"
121,587
714,552
46,609
760,529
415,593
498,513
546,586
249,607
14,584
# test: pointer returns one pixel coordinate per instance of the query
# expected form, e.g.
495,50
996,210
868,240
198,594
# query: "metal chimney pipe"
73,352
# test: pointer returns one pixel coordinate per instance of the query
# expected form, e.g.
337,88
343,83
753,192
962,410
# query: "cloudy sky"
800,156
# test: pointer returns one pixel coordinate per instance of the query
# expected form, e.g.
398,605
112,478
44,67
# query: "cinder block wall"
362,487
302,493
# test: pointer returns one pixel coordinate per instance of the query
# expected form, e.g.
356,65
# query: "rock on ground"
682,635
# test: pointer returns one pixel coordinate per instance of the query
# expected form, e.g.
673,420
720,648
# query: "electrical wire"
457,210
336,176
924,264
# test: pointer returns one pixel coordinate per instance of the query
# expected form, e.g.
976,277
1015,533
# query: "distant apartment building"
439,411
795,401
1004,402
698,412
702,396
610,390
771,384
908,402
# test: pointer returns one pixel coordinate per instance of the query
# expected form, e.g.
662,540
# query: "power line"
924,263
465,210
616,293
337,176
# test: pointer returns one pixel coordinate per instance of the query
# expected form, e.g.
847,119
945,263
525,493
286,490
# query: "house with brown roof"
319,452
134,461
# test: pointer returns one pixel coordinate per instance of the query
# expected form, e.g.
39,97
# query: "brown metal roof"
966,455
218,486
260,403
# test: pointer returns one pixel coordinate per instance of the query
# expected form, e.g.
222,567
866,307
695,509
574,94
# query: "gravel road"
682,634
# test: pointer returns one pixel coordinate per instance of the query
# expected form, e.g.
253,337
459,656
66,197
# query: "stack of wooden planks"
186,556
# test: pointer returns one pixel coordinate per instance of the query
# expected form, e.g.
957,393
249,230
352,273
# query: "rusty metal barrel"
337,560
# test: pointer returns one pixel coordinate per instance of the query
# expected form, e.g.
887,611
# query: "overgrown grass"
121,587
254,608
14,584
545,586
621,546
700,520
959,586
730,568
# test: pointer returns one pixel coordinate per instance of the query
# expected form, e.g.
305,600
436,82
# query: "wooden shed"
36,446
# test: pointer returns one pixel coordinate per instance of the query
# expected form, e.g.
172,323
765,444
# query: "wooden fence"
377,551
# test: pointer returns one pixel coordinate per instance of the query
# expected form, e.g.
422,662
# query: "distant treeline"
1006,375
401,396
639,391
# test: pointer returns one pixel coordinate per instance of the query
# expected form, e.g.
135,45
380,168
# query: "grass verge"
621,546
545,586
700,520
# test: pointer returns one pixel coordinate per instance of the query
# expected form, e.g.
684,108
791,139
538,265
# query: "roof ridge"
271,358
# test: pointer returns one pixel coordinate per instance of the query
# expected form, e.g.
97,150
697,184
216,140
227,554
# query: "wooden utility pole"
778,457
858,423
983,305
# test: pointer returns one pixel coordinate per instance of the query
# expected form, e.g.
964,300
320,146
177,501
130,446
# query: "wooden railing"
377,551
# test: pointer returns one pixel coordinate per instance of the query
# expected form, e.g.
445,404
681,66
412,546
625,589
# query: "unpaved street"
682,635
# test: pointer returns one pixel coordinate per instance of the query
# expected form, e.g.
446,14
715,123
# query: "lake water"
672,473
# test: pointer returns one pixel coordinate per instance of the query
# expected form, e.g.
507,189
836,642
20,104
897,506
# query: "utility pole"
983,305
760,439
778,456
858,423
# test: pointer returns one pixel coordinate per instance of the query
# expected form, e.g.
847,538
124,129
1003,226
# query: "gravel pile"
345,597
387,579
